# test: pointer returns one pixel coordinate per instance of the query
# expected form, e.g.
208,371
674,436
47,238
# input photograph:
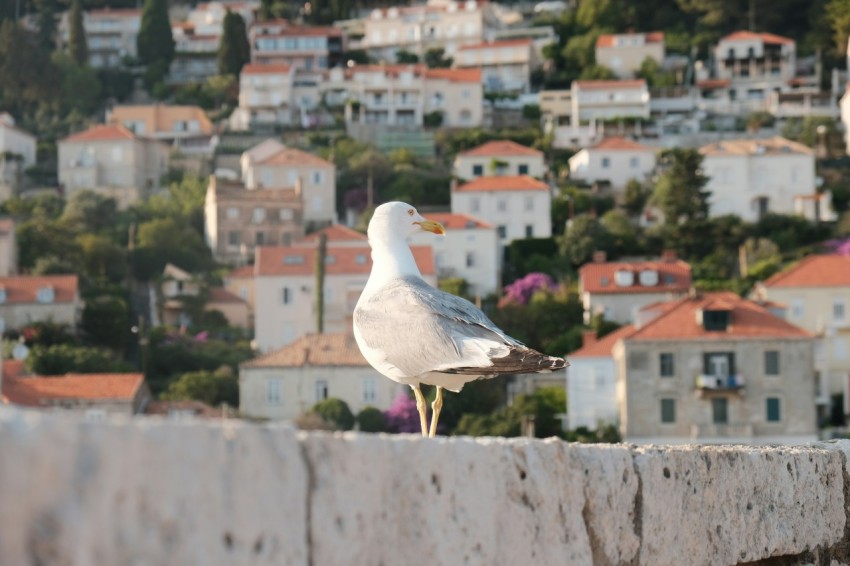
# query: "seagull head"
399,219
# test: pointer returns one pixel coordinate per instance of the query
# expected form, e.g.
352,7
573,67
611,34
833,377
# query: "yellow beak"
431,226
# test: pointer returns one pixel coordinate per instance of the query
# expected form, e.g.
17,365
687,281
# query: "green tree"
77,47
106,321
47,23
155,43
636,196
88,211
680,191
625,236
370,419
654,74
80,85
455,285
335,411
60,359
234,50
28,77
838,17
101,258
584,236
597,73
210,387
435,58
41,237
404,57
169,240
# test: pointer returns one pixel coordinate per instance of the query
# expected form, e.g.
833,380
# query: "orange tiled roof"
6,225
769,38
471,75
503,183
161,117
241,272
630,83
713,83
747,320
335,233
598,277
24,288
621,144
313,350
294,261
296,31
831,270
292,156
39,391
268,68
102,132
602,347
221,295
500,147
497,43
607,40
457,221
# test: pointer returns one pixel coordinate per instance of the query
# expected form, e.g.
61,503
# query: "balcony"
719,383
722,430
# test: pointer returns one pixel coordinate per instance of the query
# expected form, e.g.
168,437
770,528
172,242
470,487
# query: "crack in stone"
637,521
308,496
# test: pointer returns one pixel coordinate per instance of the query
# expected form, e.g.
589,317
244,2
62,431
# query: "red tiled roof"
598,277
713,83
631,83
240,272
498,43
315,350
747,320
102,132
24,288
297,31
607,40
221,295
283,260
503,183
621,144
831,270
265,68
602,347
500,147
769,38
471,75
456,221
6,225
335,233
39,391
115,12
292,156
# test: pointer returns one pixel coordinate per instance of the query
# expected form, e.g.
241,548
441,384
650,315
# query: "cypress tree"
234,50
77,46
155,42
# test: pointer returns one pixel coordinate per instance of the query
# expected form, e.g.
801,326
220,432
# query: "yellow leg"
422,407
436,406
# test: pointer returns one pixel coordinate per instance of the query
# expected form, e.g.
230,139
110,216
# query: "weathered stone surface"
724,505
149,492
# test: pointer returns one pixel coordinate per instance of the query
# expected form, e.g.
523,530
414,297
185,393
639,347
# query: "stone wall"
150,491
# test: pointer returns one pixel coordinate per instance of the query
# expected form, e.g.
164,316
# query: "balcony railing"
729,382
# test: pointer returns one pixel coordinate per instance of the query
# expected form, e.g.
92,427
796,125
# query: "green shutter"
773,413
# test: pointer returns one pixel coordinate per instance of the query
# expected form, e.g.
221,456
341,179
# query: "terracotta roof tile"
602,347
21,289
598,277
594,85
748,320
607,40
42,390
282,260
471,75
621,144
457,221
264,69
831,270
7,225
315,350
503,183
293,156
776,145
713,83
221,295
303,31
246,271
769,38
500,147
102,132
335,233
160,118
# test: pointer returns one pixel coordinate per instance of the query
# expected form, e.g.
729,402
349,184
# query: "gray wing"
421,329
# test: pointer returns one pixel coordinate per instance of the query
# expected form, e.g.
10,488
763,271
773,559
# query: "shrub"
371,419
336,412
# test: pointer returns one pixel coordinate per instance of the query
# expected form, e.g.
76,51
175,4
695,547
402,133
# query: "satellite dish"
20,352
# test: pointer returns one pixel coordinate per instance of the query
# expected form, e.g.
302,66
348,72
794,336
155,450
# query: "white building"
470,250
184,128
751,178
506,65
110,34
500,157
17,153
518,205
287,382
265,97
624,53
615,160
755,64
309,48
285,289
8,248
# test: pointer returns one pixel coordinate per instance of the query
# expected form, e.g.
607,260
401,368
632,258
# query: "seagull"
415,334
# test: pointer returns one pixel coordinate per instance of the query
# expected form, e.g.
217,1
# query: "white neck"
391,258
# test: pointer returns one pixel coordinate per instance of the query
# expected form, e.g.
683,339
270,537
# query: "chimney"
588,337
668,255
600,256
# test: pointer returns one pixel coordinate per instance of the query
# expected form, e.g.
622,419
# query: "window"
477,170
522,169
529,204
773,410
232,213
634,162
715,320
475,205
233,238
606,163
838,309
720,410
503,231
719,364
771,362
286,214
321,390
360,259
529,230
286,295
45,295
665,362
668,410
317,177
502,205
258,215
260,238
797,308
273,391
369,390
470,259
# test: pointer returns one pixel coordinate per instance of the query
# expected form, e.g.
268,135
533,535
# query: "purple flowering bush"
521,290
402,415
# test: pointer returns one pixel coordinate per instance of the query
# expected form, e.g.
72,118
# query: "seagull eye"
410,212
